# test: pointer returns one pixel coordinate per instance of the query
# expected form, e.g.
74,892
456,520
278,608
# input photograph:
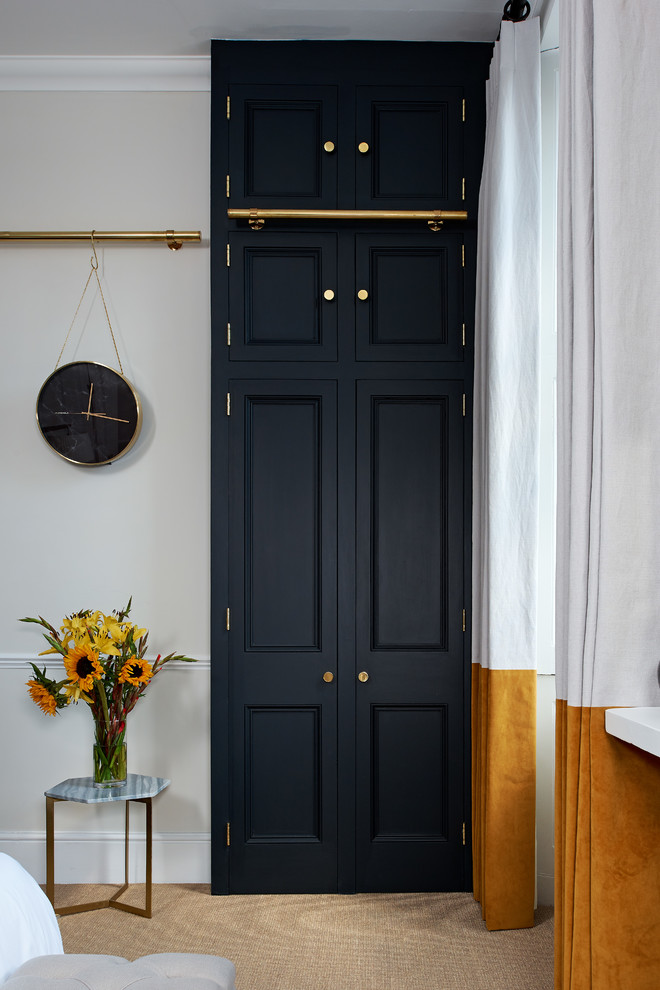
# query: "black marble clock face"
88,413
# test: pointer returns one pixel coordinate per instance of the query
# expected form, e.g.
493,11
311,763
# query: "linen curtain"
505,497
607,813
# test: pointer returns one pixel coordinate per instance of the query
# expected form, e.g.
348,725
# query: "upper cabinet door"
409,148
282,147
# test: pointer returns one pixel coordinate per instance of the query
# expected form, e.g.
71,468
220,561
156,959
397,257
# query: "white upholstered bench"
32,956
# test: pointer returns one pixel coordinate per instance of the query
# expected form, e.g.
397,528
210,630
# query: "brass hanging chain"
94,270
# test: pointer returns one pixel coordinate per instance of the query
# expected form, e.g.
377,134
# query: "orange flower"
135,672
42,697
83,667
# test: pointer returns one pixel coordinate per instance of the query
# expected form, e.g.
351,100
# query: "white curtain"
505,484
608,550
506,358
607,809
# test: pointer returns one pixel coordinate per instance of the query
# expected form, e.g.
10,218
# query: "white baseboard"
98,857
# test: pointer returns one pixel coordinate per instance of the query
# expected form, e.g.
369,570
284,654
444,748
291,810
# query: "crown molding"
106,74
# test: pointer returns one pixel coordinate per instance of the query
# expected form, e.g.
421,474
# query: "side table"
137,788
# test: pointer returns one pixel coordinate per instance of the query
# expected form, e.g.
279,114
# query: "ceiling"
185,27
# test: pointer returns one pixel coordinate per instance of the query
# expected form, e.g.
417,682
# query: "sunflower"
135,671
42,697
83,667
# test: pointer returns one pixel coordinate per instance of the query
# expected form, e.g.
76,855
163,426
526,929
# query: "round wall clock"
88,413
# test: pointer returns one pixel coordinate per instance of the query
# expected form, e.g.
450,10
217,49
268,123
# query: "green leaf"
56,645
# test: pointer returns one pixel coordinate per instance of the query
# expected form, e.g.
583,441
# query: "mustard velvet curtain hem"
607,857
504,795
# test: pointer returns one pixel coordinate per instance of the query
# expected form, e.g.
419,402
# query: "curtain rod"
173,238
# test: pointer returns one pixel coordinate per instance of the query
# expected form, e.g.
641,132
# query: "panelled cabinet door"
283,713
282,296
409,297
278,141
409,710
409,146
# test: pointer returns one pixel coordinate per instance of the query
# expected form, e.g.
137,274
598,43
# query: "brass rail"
257,217
173,238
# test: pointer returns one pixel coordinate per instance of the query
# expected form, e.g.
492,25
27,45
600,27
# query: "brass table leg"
144,912
50,850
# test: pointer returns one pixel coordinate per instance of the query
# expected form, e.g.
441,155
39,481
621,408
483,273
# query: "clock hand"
116,419
89,404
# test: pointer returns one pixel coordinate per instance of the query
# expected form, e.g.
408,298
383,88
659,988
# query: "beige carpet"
323,942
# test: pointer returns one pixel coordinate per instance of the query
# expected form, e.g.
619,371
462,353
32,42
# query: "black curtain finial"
516,10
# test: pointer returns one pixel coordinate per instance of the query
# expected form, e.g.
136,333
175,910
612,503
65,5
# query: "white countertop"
639,726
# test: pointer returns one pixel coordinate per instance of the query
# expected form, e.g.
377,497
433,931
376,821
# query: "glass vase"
109,753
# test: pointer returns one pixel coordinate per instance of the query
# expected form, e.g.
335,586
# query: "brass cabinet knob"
329,295
328,677
329,146
363,294
363,147
363,676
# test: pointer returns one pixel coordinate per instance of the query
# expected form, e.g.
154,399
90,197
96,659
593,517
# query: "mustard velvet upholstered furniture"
32,956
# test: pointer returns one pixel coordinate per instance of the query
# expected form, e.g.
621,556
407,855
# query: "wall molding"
98,857
20,661
117,74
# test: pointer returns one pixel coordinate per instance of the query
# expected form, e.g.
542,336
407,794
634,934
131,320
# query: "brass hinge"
229,334
228,256
229,108
463,335
463,404
463,109
462,187
462,833
463,620
228,188
228,834
228,404
462,255
229,617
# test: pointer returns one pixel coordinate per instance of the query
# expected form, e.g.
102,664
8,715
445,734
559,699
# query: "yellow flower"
75,624
83,667
135,672
137,633
74,693
104,644
112,627
42,697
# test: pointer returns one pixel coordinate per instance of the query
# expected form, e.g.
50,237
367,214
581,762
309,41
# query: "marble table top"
82,789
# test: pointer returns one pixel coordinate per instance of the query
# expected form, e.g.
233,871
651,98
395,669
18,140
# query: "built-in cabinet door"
409,297
283,636
282,142
411,673
409,143
282,296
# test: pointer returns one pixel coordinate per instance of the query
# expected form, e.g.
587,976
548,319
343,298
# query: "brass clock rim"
138,424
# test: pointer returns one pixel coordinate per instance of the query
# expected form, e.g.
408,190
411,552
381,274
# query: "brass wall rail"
257,217
173,238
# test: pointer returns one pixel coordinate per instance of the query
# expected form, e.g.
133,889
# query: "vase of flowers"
105,666
110,762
